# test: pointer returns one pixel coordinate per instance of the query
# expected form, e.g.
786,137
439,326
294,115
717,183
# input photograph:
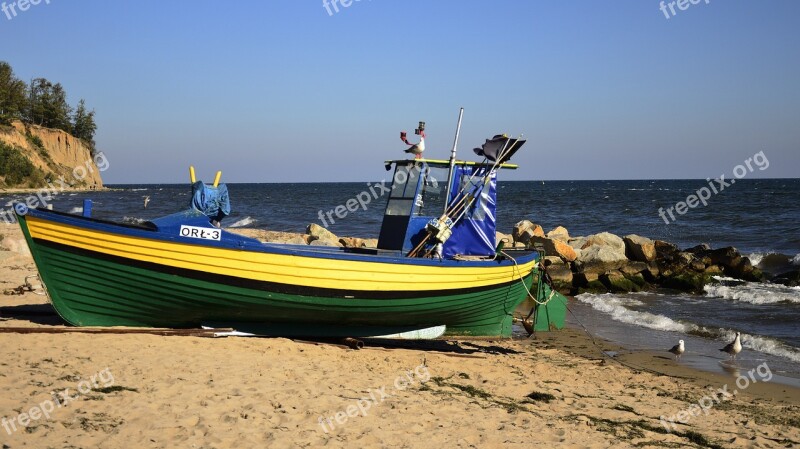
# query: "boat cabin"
417,199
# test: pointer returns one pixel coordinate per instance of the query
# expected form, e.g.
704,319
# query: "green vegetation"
16,168
43,103
628,430
537,396
115,388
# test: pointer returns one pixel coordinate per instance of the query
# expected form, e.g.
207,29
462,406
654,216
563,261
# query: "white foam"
246,221
755,258
76,210
133,220
726,278
615,306
796,260
753,293
138,190
762,344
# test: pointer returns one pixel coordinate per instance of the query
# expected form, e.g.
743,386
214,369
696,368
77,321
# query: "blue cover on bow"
212,201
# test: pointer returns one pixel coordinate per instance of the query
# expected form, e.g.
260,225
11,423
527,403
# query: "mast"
452,162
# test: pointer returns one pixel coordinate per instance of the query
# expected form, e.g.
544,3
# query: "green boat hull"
89,289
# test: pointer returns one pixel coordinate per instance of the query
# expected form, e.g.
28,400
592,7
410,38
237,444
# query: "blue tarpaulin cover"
212,201
474,234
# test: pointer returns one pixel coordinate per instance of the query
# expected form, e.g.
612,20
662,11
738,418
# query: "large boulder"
499,236
555,248
699,249
352,242
789,279
615,282
724,257
687,281
639,248
325,242
775,264
576,242
560,273
605,239
601,259
559,233
744,269
582,279
633,267
733,263
665,250
524,230
297,240
317,232
652,272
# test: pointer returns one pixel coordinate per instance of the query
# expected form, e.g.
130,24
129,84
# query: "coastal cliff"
34,155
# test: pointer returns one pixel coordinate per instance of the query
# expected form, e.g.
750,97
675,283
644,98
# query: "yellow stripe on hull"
308,271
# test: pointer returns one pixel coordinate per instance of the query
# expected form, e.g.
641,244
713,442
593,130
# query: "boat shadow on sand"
456,346
41,314
45,315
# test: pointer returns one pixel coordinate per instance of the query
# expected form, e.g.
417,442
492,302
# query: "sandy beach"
140,390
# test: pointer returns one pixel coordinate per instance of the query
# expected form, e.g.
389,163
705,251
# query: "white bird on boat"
417,149
678,349
733,347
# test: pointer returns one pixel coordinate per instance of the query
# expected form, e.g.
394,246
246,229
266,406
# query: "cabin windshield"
401,198
433,188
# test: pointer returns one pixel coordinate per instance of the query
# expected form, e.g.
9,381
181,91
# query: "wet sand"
558,389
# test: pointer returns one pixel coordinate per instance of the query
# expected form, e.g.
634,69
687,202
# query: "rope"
536,300
626,364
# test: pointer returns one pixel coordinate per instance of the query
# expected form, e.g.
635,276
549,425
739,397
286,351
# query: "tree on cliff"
83,125
48,105
43,103
13,98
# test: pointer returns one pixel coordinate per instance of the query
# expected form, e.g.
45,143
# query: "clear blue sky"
280,90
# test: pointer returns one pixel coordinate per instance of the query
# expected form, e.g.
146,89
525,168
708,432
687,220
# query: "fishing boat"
437,267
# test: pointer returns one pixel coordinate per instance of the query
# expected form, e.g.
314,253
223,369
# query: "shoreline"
576,341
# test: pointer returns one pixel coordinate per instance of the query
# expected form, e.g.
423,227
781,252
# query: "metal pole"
452,161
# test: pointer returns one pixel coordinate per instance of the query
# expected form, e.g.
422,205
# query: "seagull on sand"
734,347
678,350
146,200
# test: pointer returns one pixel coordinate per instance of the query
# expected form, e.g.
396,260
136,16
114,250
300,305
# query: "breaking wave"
616,307
246,221
775,263
752,292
